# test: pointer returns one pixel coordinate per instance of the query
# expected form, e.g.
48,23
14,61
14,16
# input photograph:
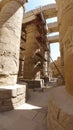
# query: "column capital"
21,2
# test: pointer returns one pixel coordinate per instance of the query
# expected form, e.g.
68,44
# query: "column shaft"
65,15
10,30
30,48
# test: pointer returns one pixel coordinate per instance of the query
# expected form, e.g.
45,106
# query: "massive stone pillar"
35,48
11,16
65,11
30,48
33,52
60,112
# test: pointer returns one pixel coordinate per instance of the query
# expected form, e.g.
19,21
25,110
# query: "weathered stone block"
53,110
12,96
60,110
55,125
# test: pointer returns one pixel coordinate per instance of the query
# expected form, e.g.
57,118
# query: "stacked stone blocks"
12,96
60,112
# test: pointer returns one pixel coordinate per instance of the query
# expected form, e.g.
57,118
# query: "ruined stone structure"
31,57
14,56
22,51
65,21
35,48
60,112
11,16
36,63
9,55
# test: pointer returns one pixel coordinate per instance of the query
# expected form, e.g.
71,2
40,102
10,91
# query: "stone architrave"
11,16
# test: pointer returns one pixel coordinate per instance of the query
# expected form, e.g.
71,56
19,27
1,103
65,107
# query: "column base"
60,110
8,79
60,81
12,96
34,83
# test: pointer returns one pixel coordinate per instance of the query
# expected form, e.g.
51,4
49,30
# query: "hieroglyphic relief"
68,43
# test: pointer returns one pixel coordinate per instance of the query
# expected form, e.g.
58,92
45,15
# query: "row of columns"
11,16
60,112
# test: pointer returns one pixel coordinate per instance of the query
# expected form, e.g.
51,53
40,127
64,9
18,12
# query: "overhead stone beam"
53,39
48,12
52,27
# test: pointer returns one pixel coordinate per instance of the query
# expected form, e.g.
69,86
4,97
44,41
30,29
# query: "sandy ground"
29,116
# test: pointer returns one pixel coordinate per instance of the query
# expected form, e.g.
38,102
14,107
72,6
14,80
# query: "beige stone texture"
46,63
48,11
65,12
10,29
30,48
34,50
60,110
12,96
68,54
22,44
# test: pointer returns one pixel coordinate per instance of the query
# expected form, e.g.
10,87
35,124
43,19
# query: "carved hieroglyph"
11,15
65,16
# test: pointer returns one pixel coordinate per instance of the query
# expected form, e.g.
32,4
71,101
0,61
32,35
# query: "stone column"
20,69
60,112
46,68
11,94
65,15
62,57
46,63
30,47
11,15
21,57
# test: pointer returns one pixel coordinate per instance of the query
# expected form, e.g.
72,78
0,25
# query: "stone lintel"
53,27
48,11
53,39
